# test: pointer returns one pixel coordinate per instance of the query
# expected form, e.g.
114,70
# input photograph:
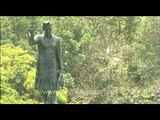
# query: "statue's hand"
32,27
31,30
61,81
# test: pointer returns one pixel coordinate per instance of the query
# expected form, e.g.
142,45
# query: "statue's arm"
60,63
59,55
33,39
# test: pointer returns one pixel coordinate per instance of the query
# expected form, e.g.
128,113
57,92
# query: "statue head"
47,29
47,26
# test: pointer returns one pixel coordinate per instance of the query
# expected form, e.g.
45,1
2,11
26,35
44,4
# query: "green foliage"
29,85
62,96
15,66
122,94
129,95
68,80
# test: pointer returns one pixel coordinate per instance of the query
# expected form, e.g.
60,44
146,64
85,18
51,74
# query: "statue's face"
47,28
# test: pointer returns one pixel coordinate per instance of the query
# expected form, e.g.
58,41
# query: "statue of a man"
49,63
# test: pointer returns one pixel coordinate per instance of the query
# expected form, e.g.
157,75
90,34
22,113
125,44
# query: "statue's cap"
46,24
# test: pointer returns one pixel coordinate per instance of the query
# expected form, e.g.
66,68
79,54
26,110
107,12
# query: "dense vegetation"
106,59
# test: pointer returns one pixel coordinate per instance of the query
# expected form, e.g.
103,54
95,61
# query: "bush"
16,64
62,96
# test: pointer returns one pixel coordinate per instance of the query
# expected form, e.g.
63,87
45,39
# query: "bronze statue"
49,63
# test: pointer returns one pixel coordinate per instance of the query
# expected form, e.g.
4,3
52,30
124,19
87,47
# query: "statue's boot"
53,97
45,94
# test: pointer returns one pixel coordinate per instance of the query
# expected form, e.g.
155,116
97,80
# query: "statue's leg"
44,94
53,97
